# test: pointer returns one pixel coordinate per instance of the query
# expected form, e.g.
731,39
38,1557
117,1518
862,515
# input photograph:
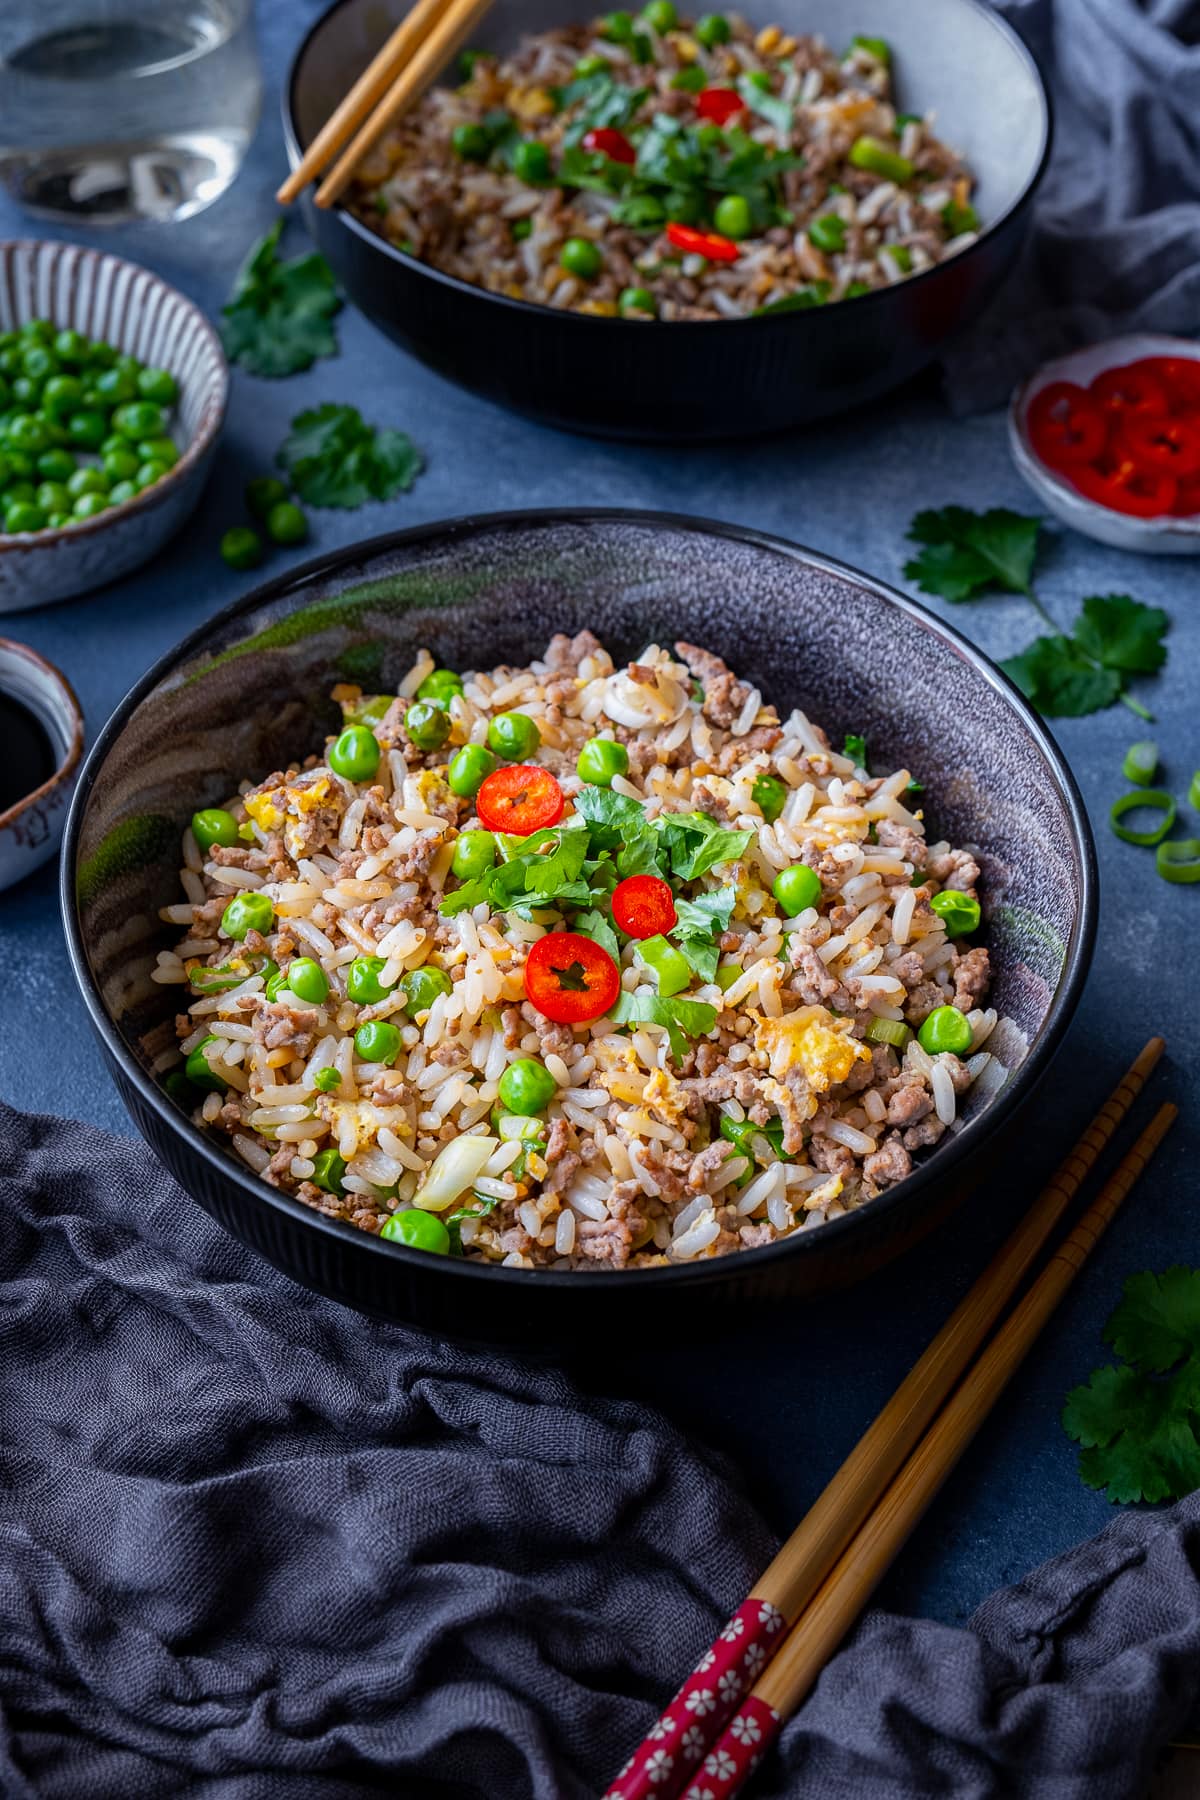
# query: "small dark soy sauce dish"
41,742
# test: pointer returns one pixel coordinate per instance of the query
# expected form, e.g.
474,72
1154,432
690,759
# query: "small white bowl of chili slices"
1109,438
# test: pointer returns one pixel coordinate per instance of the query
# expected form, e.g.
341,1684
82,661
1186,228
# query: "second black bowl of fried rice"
664,226
357,1048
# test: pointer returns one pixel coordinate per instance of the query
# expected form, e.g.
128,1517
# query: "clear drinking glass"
125,109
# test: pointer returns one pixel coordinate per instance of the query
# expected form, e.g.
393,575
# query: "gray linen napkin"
1116,239
253,1545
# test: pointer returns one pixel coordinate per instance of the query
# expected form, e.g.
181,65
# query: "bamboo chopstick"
363,97
802,1656
788,1584
445,36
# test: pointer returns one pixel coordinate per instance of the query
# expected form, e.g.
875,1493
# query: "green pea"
115,387
52,497
120,465
600,759
521,229
591,65
877,47
870,153
355,754
531,162
24,431
959,913
24,516
159,449
527,1087
796,889
262,494
419,1229
56,520
900,255
26,391
660,16
41,330
828,233
56,464
106,357
327,1081
158,385
70,346
855,289
329,1171
732,216
276,983
87,481
286,523
945,1029
121,491
61,395
199,1070
114,441
213,825
178,1088
617,27
959,216
472,143
513,736
241,547
579,256
712,29
427,725
637,300
23,491
769,794
148,473
39,363
250,911
378,1041
87,428
423,986
308,981
20,463
362,981
139,419
440,686
469,768
474,853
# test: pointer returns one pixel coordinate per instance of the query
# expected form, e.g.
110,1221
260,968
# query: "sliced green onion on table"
1152,800
1179,860
1141,761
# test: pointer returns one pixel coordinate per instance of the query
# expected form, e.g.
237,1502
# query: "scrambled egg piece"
663,1095
813,1040
434,792
298,800
530,103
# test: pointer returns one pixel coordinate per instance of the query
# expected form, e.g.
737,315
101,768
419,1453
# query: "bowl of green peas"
113,389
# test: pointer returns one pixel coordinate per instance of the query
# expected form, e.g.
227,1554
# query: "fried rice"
817,226
782,1088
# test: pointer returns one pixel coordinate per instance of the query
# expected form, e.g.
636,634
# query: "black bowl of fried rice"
839,190
780,1118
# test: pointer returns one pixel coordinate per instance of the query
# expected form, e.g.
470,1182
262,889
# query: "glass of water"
125,109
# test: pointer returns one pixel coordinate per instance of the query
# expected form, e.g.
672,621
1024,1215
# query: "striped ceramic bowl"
128,307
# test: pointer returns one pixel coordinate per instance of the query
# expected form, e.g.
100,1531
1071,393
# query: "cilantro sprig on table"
334,458
278,320
1138,1421
1065,674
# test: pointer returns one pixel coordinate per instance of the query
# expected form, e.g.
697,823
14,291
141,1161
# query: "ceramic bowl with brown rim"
41,732
126,306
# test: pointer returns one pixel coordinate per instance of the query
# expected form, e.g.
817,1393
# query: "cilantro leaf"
694,1017
707,913
1060,680
277,321
1138,1424
641,853
611,817
770,107
695,843
965,552
548,876
855,748
1122,633
596,925
334,458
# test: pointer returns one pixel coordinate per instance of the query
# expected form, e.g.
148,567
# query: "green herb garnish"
277,321
334,458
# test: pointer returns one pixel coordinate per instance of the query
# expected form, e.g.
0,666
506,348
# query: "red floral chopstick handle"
667,1762
737,1752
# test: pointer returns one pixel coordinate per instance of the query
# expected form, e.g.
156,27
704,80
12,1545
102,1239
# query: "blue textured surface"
790,1396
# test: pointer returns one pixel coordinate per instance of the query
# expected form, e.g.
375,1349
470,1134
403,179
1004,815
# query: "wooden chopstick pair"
804,1603
424,41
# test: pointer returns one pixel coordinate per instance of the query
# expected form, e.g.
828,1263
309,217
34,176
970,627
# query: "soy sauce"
26,753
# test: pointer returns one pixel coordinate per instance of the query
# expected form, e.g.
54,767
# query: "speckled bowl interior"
250,691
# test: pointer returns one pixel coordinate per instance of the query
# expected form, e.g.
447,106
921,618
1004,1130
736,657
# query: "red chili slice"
1125,488
1187,500
519,799
570,978
1181,376
1132,389
1066,426
608,142
644,906
1165,446
702,243
719,104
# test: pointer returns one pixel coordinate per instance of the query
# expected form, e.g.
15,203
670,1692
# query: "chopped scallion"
1141,761
889,1031
1153,800
1179,860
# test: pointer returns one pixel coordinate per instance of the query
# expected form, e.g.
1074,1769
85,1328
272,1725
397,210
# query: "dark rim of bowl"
256,1192
373,238
64,765
192,453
